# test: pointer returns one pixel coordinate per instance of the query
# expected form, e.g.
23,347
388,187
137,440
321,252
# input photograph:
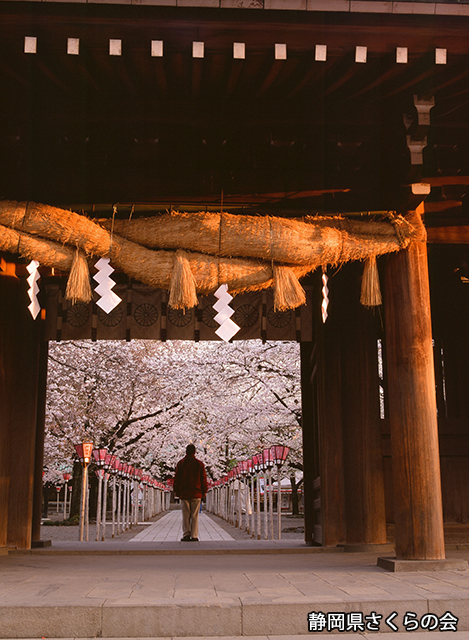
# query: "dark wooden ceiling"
172,130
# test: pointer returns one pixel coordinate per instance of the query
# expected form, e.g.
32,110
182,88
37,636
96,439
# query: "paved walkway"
169,528
164,588
161,596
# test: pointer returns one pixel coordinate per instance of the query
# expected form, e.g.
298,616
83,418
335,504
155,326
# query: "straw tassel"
371,291
78,285
183,289
288,292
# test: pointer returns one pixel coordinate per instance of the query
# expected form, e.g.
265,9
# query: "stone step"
419,635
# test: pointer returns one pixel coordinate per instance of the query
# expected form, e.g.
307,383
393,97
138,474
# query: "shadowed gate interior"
134,110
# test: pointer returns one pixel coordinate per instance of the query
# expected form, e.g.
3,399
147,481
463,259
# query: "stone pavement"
169,529
221,588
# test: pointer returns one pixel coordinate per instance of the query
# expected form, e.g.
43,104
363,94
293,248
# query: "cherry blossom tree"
146,400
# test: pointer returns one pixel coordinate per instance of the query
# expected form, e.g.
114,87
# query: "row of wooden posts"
128,483
131,502
240,490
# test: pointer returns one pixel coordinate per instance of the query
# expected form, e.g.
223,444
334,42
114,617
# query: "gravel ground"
71,533
292,527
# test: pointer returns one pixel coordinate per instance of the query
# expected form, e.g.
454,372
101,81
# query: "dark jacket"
190,480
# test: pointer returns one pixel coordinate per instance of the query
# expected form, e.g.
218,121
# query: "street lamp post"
108,462
255,494
69,508
134,501
66,477
57,488
128,498
257,463
268,464
251,476
153,497
237,501
100,475
84,453
232,477
263,468
226,482
114,470
125,466
244,471
144,497
130,476
138,476
119,496
99,456
280,454
225,491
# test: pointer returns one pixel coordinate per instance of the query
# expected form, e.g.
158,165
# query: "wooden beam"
444,205
448,235
441,181
270,77
233,78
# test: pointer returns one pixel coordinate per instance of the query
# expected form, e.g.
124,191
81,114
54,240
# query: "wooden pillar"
330,425
7,292
363,458
40,434
308,426
412,407
19,358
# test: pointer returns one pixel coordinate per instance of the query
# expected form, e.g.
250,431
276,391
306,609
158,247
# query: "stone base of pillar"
3,551
36,544
368,547
393,564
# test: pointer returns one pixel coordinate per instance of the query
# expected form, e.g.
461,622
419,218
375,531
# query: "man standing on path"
190,485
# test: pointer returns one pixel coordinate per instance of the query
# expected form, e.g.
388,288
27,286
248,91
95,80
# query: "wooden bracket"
414,196
8,268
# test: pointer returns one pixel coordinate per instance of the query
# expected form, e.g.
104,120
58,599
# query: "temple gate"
284,114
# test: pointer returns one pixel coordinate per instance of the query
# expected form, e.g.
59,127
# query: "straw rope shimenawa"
249,253
317,240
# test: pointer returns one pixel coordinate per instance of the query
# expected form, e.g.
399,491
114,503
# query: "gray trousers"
190,517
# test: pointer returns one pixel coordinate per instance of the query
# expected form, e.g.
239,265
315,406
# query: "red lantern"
260,461
267,459
84,452
108,461
254,463
99,456
279,454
